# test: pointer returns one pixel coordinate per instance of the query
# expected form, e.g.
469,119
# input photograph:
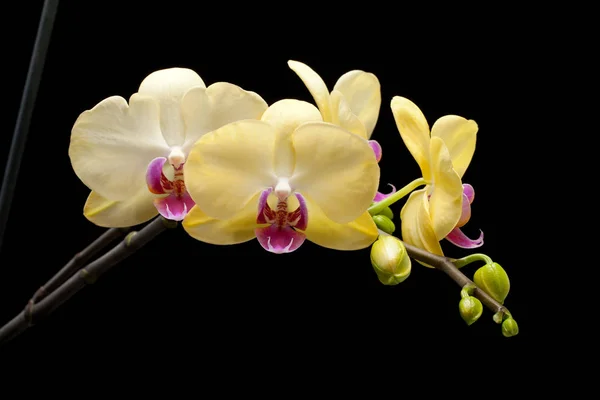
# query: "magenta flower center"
177,202
282,235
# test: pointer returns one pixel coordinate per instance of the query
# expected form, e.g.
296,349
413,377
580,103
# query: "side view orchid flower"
132,155
283,179
353,104
440,209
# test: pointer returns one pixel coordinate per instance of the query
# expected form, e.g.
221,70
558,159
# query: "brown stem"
85,276
445,264
79,260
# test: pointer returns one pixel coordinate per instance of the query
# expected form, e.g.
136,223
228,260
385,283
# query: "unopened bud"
390,260
493,280
510,327
384,223
470,309
387,212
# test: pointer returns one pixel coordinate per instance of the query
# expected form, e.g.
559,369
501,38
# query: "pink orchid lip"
281,235
174,207
279,240
376,149
380,196
178,203
459,239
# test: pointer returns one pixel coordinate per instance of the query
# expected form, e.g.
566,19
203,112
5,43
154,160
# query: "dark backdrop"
181,298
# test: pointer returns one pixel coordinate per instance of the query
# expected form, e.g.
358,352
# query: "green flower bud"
498,317
470,309
387,212
390,260
384,223
510,327
493,280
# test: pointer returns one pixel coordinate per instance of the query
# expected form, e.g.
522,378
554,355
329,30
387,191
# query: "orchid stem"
447,266
391,199
461,262
79,260
85,276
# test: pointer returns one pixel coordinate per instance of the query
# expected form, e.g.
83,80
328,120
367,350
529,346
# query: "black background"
181,299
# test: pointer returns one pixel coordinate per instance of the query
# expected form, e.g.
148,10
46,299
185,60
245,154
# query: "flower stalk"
447,266
391,199
34,312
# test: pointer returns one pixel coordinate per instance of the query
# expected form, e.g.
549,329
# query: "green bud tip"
390,260
498,317
387,212
510,327
493,280
470,309
384,223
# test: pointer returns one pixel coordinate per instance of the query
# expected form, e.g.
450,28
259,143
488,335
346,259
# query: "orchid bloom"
444,205
353,103
283,179
132,155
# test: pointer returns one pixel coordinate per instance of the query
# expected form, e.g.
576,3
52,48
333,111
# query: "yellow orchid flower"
131,155
444,154
283,179
353,103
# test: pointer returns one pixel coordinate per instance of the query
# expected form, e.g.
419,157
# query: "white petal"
112,144
168,86
285,116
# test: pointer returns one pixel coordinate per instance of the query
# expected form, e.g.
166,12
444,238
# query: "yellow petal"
445,204
336,169
168,86
354,235
112,144
119,214
416,226
285,116
414,131
343,116
227,167
362,91
205,110
315,85
459,135
237,229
